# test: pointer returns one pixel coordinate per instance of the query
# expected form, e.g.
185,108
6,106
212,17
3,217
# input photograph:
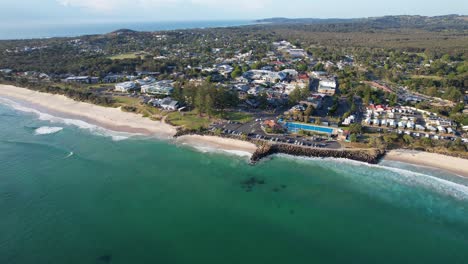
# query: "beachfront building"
81,79
125,87
158,88
166,103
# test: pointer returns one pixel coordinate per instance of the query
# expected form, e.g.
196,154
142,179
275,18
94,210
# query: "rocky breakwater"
371,156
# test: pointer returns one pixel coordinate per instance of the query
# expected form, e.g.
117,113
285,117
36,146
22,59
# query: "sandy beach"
107,117
116,120
212,142
455,165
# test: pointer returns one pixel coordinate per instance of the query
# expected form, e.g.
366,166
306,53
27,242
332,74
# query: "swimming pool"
295,127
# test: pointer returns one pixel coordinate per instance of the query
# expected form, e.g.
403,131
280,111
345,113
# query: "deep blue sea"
31,30
72,192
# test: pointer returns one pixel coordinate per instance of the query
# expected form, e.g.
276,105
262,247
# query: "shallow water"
80,196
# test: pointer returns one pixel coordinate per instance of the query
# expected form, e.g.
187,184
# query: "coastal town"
267,90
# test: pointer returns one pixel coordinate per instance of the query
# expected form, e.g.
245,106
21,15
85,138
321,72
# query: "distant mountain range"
457,22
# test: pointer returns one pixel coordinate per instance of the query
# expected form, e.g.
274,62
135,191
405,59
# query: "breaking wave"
45,130
384,176
97,130
205,149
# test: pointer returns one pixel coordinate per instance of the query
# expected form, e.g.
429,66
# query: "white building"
327,86
125,87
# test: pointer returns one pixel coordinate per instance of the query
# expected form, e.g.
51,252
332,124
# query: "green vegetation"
189,120
134,104
238,117
372,59
131,55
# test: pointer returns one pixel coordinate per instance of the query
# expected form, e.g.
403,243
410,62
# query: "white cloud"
118,5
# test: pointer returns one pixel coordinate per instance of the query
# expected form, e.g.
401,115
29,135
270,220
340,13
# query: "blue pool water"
295,127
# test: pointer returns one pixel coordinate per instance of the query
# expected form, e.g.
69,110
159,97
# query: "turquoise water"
31,30
75,193
295,127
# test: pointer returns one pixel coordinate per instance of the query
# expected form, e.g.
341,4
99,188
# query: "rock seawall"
371,156
265,149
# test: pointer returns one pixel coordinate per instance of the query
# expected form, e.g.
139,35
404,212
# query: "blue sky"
76,11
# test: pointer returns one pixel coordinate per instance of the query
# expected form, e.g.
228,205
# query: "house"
6,71
125,87
158,88
420,128
327,86
271,124
349,120
441,129
146,81
169,104
255,90
82,79
224,69
290,72
253,103
267,76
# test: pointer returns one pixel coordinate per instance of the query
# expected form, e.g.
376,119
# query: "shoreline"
116,120
110,118
205,142
454,165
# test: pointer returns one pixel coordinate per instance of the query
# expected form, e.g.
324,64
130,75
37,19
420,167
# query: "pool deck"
295,127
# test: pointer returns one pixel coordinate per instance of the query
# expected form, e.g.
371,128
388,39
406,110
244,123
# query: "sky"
81,11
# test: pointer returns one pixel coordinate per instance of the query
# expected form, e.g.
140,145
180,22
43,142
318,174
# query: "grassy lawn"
238,117
99,85
145,110
433,77
189,120
131,55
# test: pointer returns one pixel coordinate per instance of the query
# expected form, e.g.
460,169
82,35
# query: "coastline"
201,142
116,120
431,160
107,117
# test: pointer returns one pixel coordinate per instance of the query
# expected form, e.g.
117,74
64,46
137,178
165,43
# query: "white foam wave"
69,154
46,130
205,149
388,174
97,130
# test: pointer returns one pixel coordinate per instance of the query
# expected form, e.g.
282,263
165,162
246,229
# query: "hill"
436,23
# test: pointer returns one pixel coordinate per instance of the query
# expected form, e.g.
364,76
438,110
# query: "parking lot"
253,130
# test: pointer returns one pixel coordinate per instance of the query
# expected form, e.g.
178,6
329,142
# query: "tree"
355,128
367,96
209,105
295,96
427,142
237,72
302,67
408,139
200,101
353,138
390,138
308,112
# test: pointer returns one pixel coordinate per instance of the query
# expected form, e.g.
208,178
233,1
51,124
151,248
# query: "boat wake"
69,155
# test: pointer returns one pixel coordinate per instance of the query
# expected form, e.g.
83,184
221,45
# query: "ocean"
37,30
71,192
